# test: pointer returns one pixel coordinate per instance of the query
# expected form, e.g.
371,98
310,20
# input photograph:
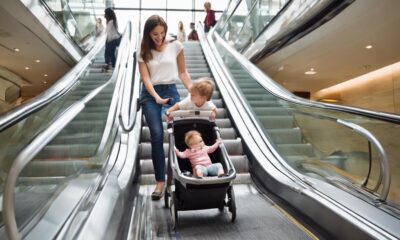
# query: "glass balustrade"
77,18
70,167
311,140
242,23
72,157
71,153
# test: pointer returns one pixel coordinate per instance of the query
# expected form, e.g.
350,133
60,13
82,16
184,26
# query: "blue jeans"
153,113
109,52
211,170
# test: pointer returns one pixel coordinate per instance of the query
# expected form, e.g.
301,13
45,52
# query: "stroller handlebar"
190,113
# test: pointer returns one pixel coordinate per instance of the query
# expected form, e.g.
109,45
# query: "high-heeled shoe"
157,195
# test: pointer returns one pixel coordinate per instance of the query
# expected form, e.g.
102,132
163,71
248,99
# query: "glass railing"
77,18
67,149
315,140
243,22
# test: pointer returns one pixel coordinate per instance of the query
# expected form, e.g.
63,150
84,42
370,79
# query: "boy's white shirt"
187,104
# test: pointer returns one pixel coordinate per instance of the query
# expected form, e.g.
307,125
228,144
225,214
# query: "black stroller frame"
185,192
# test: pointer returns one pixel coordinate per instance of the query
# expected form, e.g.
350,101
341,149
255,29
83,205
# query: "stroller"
188,192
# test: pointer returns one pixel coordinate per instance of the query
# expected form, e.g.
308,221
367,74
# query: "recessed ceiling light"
16,49
368,46
329,100
44,82
27,68
45,75
310,72
37,60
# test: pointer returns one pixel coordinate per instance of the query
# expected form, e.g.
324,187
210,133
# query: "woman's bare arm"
183,73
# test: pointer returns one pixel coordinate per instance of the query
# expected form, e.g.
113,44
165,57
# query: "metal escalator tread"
258,218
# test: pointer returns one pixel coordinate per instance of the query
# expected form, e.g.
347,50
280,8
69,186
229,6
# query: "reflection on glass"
241,24
77,19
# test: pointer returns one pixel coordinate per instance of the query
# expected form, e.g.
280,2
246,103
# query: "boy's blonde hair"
204,86
190,136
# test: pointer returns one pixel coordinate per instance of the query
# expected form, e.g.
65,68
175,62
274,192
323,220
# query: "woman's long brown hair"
147,42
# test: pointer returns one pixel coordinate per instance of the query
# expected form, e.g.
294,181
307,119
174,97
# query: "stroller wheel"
232,203
222,206
174,211
166,197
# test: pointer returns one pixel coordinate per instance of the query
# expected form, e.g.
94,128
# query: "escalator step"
285,136
233,147
277,121
67,151
226,133
270,111
296,149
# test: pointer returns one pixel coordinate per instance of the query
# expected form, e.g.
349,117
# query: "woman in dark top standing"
113,38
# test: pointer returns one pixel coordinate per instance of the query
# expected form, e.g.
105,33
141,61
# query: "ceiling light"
368,46
37,60
16,49
310,72
329,100
27,68
281,68
45,75
44,82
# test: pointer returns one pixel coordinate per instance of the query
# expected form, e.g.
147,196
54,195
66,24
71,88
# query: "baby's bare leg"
199,171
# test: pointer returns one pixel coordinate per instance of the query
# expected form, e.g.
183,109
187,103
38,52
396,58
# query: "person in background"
161,64
181,36
99,27
209,21
113,38
193,36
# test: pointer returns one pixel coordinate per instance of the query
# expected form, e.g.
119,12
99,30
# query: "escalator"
67,154
152,220
66,149
319,162
304,170
336,152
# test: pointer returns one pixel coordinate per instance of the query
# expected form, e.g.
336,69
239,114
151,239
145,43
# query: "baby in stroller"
197,153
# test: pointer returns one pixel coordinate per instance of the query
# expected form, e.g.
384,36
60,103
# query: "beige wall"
378,90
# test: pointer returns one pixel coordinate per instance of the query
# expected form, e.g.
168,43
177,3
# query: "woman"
113,38
161,63
181,32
